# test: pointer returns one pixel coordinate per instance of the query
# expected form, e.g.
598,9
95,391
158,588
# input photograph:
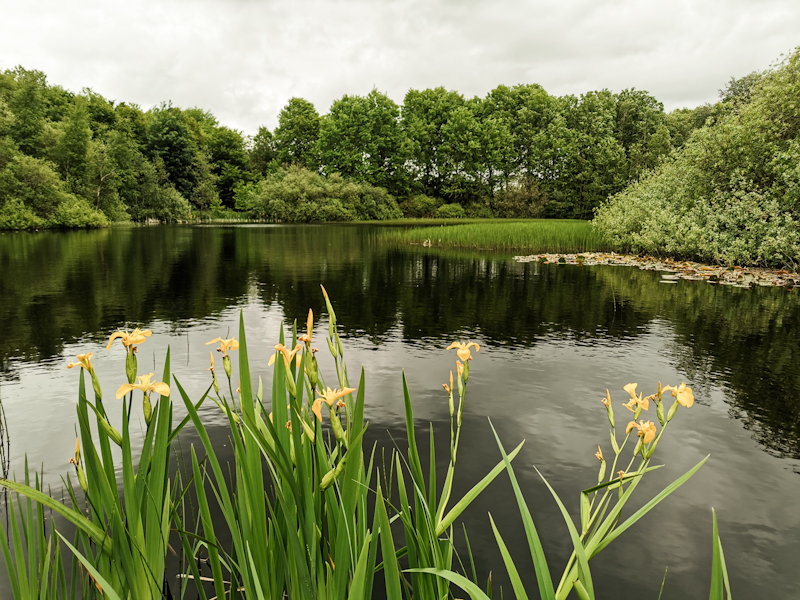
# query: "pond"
553,339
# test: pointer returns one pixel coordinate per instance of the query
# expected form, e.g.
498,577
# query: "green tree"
360,138
71,151
229,161
170,141
424,116
594,161
262,151
639,117
297,134
27,105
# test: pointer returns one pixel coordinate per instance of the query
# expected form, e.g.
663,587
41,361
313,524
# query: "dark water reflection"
554,338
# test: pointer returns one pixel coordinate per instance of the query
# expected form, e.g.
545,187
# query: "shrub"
15,215
731,195
450,211
77,212
479,210
296,194
420,207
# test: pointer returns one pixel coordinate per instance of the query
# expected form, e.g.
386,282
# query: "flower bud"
331,476
290,385
115,435
673,409
148,410
332,348
610,410
226,364
660,412
130,367
82,479
338,430
98,393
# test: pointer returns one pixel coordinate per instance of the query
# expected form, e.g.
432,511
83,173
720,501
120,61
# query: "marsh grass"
534,236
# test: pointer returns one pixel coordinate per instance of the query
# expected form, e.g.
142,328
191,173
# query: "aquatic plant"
304,509
535,235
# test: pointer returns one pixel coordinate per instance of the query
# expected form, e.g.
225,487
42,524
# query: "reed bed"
302,511
534,236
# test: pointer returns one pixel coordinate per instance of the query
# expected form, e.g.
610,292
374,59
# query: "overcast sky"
243,59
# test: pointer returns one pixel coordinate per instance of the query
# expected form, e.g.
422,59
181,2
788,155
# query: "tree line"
79,159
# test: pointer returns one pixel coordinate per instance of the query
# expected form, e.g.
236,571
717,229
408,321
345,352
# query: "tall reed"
535,236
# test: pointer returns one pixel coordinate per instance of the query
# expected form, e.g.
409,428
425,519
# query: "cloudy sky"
243,59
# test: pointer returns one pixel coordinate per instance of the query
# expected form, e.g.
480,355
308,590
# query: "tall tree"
262,151
27,104
71,150
594,162
297,134
360,138
639,118
169,140
229,161
424,116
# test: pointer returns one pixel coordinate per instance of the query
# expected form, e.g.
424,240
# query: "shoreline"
743,277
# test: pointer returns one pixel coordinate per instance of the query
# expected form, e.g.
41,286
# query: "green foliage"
731,194
450,211
28,107
170,141
536,236
229,161
360,138
297,135
296,194
70,153
420,207
262,151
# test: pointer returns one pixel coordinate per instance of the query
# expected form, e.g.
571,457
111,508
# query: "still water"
553,338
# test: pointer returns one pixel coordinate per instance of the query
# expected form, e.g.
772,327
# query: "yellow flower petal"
124,389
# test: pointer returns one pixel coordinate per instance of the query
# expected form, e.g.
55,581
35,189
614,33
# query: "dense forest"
731,194
78,159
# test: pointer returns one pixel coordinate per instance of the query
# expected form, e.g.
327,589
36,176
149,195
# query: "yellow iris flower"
306,337
288,355
635,400
137,336
682,393
145,385
330,397
462,350
85,361
225,345
646,430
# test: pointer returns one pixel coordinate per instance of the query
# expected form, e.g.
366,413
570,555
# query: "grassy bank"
535,235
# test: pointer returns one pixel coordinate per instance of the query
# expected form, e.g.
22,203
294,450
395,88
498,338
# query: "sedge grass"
534,236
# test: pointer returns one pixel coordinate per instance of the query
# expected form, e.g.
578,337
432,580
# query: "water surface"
553,338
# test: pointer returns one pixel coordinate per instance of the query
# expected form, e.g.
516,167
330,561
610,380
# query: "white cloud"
243,59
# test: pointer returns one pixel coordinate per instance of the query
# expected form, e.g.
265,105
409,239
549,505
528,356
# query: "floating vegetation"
743,277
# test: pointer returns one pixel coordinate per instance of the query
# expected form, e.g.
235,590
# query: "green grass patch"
531,235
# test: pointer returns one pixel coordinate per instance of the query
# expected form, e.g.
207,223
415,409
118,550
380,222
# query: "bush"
15,215
77,212
521,199
296,194
479,210
450,211
731,195
420,207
